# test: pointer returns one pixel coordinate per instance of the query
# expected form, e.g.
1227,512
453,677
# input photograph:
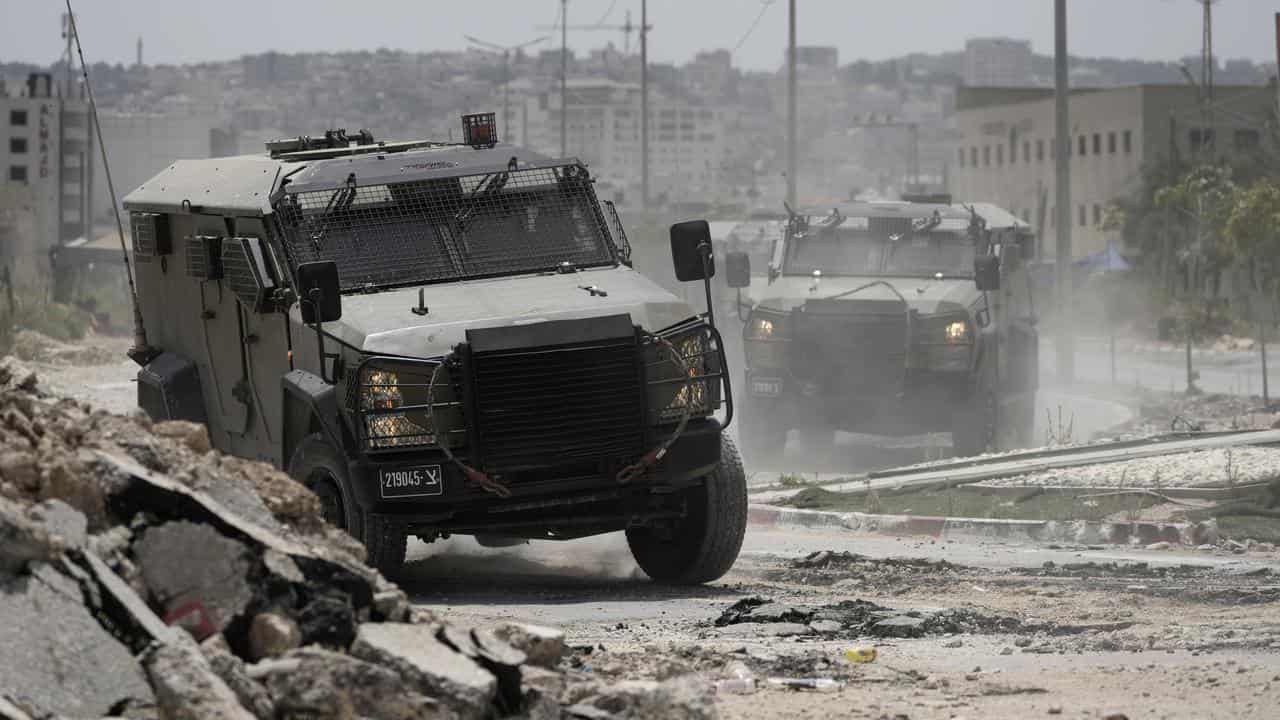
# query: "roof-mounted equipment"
332,139
480,130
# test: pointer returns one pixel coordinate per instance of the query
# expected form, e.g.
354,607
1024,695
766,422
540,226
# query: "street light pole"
1062,128
791,106
506,51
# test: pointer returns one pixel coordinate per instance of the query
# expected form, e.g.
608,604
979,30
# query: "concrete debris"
430,667
543,646
186,686
756,616
331,686
124,542
58,659
272,634
198,576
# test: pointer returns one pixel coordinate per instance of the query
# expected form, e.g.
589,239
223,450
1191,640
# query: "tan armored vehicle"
440,339
891,318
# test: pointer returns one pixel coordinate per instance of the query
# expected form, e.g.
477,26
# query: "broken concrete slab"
429,665
186,686
543,646
71,667
764,629
315,683
195,573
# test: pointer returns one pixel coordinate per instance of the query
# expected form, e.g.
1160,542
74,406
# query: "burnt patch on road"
860,618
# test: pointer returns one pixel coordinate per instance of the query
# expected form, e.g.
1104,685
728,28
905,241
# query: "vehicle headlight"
956,332
764,327
669,395
393,407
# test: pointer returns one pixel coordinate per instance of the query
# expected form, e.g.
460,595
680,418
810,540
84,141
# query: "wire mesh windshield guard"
440,229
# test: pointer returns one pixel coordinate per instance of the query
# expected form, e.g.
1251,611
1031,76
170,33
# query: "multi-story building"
47,148
686,140
1003,150
997,62
139,145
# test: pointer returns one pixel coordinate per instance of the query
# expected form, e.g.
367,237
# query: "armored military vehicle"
891,318
440,339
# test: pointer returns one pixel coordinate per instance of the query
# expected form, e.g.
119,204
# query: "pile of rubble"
143,575
758,616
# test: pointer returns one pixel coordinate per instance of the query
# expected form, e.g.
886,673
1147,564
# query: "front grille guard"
714,347
421,370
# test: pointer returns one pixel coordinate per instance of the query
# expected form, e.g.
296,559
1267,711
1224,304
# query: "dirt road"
1030,631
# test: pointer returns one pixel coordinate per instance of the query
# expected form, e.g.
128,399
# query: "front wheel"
323,469
702,545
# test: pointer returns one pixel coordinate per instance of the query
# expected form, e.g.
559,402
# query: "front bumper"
919,402
442,491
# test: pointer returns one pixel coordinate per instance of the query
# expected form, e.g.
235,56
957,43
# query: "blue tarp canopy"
1105,261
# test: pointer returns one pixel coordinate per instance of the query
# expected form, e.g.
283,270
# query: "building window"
961,157
1026,151
973,156
1128,142
1084,146
1097,214
1013,153
1097,143
1244,140
1201,139
986,156
18,118
1040,151
999,155
1111,143
17,146
1084,215
18,173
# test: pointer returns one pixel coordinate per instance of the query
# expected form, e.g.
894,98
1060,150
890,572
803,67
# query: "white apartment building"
997,62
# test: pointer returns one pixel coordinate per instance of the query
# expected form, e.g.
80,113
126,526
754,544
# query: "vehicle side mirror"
319,293
688,240
986,272
737,269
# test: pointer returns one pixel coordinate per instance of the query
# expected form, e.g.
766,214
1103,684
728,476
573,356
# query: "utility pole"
791,106
506,51
644,106
1062,129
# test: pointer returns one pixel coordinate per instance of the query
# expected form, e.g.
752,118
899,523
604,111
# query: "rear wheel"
323,469
704,544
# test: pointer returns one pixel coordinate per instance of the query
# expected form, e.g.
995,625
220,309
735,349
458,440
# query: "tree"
1204,196
1252,228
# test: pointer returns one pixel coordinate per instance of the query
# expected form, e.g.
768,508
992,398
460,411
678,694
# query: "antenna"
141,352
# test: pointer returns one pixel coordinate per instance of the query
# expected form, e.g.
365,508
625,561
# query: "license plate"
766,387
415,481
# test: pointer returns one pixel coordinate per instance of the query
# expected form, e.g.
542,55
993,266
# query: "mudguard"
310,404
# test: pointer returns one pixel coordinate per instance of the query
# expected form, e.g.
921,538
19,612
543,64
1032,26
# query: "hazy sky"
181,31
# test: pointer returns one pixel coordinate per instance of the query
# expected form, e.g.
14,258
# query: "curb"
1080,532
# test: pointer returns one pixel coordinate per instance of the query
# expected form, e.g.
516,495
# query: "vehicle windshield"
859,251
446,229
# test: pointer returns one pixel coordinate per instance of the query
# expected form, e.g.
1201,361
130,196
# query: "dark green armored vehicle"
891,318
440,339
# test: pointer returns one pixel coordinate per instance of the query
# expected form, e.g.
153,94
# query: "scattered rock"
23,539
953,643
684,698
194,436
186,686
272,634
231,669
826,627
64,522
1162,545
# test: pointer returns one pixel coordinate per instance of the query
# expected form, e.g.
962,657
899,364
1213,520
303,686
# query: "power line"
764,7
607,13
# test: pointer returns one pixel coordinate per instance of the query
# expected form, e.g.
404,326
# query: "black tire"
763,441
703,545
323,469
973,423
